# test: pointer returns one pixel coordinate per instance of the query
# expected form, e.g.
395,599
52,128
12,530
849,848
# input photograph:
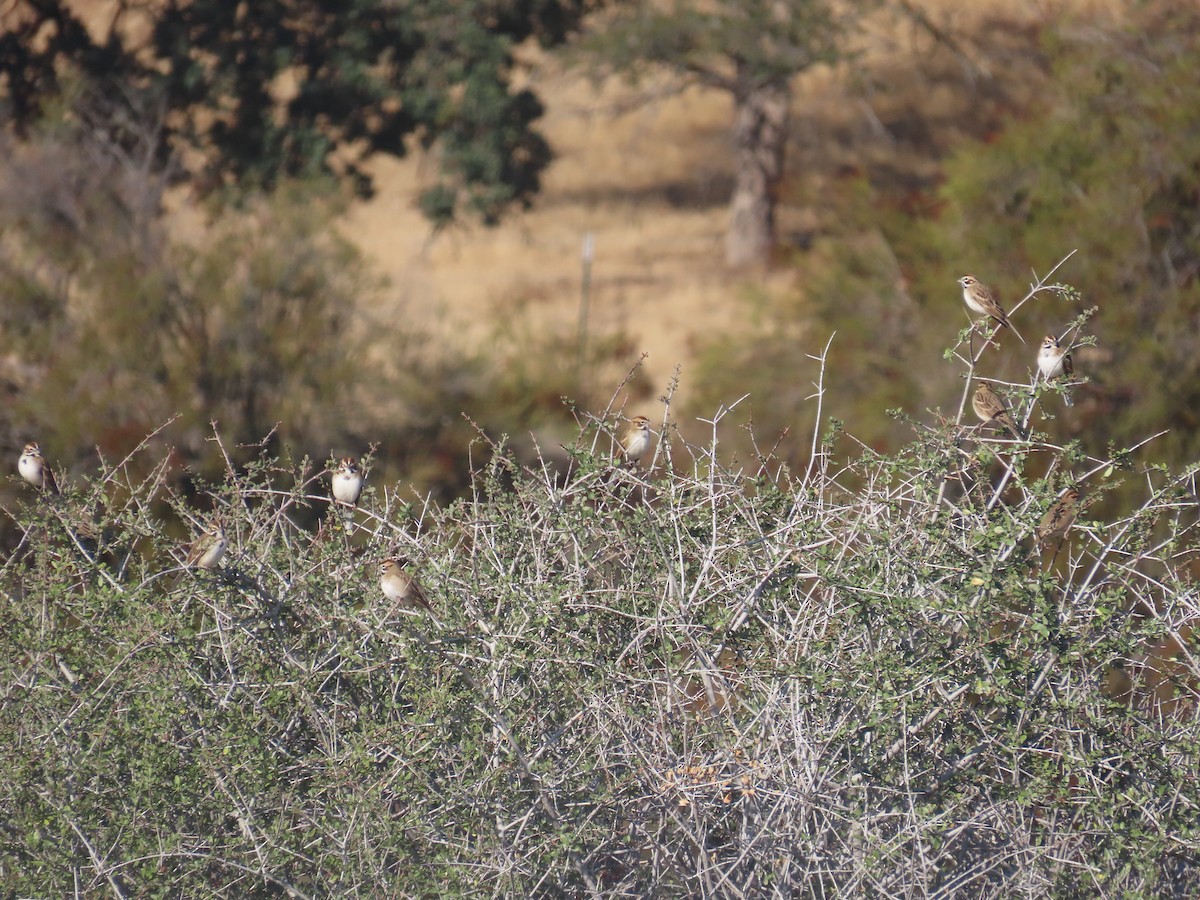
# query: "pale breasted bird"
1055,362
33,468
635,439
346,485
401,586
206,551
979,298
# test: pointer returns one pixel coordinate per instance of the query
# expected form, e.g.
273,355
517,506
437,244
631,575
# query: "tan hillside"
651,184
648,185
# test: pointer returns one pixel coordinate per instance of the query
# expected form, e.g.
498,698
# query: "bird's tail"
1009,424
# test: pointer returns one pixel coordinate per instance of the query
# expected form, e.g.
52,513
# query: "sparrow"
1054,361
1059,517
400,587
33,468
991,409
206,551
979,298
346,485
635,439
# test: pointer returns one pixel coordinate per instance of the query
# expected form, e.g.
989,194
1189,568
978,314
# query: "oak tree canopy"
244,94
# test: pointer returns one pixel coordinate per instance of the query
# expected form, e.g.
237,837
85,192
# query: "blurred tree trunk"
761,113
749,49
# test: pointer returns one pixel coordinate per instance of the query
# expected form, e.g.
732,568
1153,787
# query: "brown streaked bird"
33,468
1055,362
635,439
990,408
346,485
400,586
979,298
206,551
1059,517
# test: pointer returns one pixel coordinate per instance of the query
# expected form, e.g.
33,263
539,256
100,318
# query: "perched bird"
979,298
400,587
1055,362
33,468
635,439
346,485
1059,517
206,551
989,406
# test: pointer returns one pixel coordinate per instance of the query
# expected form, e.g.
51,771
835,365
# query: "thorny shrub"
676,679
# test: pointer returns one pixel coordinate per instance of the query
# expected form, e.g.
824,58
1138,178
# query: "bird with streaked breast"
991,409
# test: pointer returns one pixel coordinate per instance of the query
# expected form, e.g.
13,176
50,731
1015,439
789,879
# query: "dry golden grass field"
650,181
648,185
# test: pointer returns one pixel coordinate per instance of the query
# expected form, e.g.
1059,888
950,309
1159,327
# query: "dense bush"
683,680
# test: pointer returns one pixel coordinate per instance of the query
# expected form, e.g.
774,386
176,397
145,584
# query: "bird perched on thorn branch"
635,439
1059,517
1055,362
400,586
206,551
979,298
346,485
32,467
991,409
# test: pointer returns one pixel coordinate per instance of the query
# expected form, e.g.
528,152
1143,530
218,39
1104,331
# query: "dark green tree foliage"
260,91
